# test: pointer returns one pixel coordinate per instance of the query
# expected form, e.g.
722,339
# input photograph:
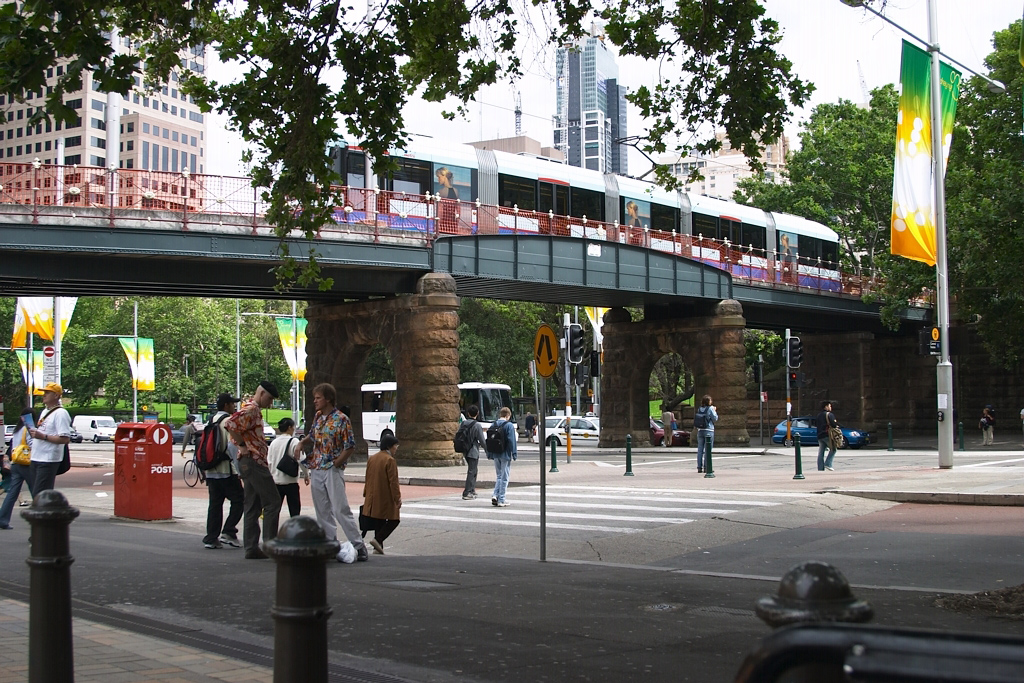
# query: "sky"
830,44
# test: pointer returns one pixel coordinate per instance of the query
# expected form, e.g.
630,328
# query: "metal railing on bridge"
191,201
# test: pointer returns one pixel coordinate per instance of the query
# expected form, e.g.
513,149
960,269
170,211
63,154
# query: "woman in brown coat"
382,497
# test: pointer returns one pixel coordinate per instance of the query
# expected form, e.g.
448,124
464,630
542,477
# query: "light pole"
193,405
944,369
135,381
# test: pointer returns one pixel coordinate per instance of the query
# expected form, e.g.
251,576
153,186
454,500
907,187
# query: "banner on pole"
913,191
293,343
140,358
37,371
35,314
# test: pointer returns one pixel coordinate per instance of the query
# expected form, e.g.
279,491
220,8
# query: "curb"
1004,499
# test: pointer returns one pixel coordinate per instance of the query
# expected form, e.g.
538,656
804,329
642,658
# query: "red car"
680,437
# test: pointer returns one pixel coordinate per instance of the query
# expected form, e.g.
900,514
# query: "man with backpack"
468,440
501,448
704,419
215,456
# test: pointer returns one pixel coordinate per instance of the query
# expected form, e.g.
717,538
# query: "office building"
591,106
723,169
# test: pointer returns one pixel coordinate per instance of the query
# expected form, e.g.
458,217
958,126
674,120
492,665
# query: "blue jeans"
823,462
502,467
705,439
19,475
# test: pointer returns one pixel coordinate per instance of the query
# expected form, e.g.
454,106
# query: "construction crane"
863,84
519,115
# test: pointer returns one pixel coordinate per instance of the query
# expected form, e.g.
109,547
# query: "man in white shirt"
48,440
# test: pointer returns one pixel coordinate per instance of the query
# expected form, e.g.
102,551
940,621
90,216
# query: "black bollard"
51,656
709,470
300,609
799,460
629,456
813,591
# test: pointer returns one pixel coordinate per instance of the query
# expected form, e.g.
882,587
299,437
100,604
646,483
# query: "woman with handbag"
382,497
284,465
828,431
20,454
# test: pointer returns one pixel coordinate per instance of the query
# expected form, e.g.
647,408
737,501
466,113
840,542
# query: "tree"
720,54
984,206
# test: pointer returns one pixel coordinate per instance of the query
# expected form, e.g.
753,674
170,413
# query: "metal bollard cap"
50,506
301,537
813,591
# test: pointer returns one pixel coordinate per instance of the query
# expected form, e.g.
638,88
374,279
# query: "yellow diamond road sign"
545,351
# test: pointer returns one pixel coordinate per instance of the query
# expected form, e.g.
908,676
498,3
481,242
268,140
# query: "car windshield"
552,422
106,423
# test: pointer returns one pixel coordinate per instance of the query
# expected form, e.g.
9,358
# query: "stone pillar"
621,395
724,374
420,332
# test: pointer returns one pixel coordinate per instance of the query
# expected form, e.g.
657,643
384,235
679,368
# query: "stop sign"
49,351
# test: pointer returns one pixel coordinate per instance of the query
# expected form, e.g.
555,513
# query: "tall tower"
161,131
590,106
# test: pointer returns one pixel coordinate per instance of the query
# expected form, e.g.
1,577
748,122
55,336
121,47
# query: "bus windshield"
380,405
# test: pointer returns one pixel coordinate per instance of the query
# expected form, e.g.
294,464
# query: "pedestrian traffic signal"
595,363
796,379
574,344
581,375
795,354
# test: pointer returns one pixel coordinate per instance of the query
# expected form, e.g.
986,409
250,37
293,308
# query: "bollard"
890,437
50,646
961,430
799,461
629,456
301,551
709,471
810,592
554,463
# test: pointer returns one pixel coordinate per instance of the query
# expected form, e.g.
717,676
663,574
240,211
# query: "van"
95,427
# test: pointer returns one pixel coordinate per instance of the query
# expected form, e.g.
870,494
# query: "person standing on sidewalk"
503,460
283,446
475,437
382,496
668,420
704,419
49,439
531,426
824,423
222,483
987,425
20,454
246,428
332,443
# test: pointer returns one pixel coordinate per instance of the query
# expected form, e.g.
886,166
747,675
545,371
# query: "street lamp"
944,369
135,383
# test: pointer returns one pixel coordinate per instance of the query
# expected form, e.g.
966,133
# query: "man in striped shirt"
261,494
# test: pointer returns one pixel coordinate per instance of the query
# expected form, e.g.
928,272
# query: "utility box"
142,471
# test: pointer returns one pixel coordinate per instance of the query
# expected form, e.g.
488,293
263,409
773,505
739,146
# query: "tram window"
586,203
554,198
753,235
730,230
705,225
830,253
664,217
355,169
411,177
809,249
519,192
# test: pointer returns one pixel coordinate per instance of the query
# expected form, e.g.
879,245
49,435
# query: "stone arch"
420,333
711,346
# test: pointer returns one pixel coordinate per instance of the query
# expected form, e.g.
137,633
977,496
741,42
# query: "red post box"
142,471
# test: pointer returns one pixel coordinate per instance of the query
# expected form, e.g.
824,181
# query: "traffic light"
795,354
796,379
581,375
595,363
574,344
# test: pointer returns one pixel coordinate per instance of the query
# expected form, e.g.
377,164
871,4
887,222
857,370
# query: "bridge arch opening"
671,389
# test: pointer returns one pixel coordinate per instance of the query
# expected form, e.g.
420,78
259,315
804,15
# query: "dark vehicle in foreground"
75,436
804,426
680,437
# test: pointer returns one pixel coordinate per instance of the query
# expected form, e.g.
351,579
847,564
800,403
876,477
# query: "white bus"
379,405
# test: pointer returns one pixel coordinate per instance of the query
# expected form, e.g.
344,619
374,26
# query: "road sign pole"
543,474
545,360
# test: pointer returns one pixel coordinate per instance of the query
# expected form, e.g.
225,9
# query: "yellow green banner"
140,358
37,369
293,343
913,191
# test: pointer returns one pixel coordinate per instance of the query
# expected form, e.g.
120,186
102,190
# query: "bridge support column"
711,348
420,333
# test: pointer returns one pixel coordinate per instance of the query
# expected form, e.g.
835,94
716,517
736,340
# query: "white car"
269,434
583,429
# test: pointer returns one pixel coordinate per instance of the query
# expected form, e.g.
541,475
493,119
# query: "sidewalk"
424,599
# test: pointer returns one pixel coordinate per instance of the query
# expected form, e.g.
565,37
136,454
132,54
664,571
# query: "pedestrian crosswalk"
602,509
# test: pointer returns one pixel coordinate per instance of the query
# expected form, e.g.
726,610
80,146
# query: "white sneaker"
829,468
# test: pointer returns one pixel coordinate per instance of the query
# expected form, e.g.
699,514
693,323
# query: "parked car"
680,437
582,428
75,436
8,434
177,434
804,426
269,433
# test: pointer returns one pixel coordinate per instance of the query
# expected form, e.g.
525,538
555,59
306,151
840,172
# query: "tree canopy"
315,72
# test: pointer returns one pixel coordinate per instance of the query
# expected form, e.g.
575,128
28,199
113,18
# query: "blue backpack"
701,418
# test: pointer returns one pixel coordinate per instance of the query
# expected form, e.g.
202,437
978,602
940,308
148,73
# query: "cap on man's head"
224,399
269,388
55,388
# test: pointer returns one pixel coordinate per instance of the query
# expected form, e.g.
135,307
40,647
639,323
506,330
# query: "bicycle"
193,475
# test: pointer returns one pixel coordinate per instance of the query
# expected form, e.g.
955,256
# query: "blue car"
804,426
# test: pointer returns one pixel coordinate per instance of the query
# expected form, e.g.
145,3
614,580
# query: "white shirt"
274,455
54,422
